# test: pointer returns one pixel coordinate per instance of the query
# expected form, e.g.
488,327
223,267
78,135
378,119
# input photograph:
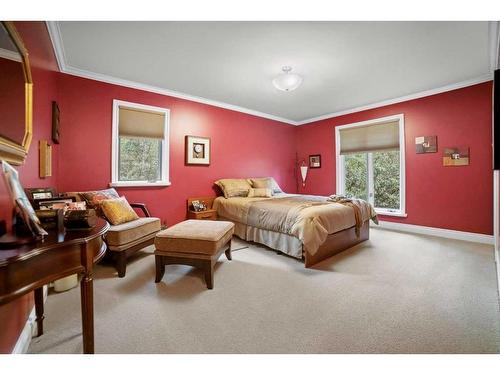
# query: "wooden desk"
30,267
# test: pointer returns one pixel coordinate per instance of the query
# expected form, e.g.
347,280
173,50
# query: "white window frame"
115,148
340,173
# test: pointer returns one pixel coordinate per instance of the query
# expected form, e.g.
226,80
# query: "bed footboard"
338,242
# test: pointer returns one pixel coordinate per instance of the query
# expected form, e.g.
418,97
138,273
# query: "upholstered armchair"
123,240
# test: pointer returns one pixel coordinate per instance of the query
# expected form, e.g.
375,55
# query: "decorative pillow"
118,210
234,187
266,182
94,198
260,192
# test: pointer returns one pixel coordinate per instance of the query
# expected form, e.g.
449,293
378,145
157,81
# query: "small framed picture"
456,156
314,161
426,144
197,150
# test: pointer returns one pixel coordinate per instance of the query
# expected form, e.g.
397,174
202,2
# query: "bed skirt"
334,243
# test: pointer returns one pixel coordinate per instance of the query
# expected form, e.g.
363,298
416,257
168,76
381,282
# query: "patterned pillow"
266,182
234,187
118,210
260,192
94,198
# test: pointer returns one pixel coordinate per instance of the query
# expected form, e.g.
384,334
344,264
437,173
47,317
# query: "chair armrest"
143,207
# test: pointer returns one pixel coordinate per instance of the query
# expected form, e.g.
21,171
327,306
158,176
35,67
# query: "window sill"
389,213
139,184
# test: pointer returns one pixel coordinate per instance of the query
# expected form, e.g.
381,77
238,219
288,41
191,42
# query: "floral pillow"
94,198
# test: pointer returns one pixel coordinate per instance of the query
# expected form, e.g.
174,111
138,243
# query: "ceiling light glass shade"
287,81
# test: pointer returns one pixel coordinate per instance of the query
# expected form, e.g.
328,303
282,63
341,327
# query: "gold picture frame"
10,151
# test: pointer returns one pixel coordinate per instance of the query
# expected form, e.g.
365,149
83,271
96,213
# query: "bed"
306,227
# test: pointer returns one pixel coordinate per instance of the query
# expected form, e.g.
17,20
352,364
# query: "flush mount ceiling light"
287,81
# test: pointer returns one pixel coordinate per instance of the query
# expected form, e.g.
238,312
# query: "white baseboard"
438,232
29,331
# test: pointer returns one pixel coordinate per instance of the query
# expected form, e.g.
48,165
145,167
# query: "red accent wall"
13,316
241,145
458,198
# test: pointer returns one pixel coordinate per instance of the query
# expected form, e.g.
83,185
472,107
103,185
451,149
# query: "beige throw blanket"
307,217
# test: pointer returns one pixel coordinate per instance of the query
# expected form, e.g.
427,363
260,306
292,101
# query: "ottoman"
197,243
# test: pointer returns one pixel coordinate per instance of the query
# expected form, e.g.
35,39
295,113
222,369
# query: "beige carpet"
397,293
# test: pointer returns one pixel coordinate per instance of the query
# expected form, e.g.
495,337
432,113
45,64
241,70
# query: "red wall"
459,198
13,315
241,145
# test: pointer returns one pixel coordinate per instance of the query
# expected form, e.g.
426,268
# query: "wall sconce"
303,172
302,165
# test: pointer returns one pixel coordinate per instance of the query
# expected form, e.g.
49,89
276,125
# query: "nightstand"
208,214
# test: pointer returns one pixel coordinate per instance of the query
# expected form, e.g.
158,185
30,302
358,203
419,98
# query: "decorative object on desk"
40,193
80,219
51,219
55,122
45,159
197,150
54,204
315,161
456,156
21,201
426,144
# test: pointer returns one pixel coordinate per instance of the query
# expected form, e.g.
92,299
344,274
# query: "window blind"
376,137
139,123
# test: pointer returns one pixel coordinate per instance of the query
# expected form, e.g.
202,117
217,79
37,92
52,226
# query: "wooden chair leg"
121,264
160,268
209,274
228,252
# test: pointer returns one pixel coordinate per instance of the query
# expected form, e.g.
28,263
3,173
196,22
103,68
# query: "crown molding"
418,95
64,67
10,55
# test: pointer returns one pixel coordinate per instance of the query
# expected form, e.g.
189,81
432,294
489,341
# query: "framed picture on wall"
456,156
426,144
314,161
197,150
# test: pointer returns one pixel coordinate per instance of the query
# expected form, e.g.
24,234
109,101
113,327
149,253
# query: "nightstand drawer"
203,215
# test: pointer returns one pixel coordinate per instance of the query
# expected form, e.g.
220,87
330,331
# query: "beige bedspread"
309,218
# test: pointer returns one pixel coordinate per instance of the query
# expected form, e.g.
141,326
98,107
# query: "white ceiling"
345,65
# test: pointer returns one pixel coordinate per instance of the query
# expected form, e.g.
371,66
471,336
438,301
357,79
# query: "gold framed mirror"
16,96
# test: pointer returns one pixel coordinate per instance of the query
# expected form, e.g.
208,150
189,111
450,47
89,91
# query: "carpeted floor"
397,293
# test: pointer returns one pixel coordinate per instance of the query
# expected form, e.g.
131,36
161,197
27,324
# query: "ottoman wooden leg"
160,268
209,274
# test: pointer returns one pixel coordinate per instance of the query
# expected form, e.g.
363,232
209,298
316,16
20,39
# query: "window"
140,145
370,163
